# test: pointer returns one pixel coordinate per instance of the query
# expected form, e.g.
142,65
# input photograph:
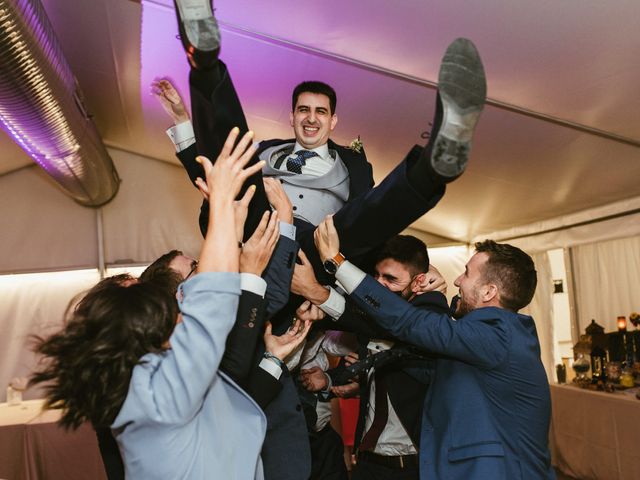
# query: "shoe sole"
463,90
199,24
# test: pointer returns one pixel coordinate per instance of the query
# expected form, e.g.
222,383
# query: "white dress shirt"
183,136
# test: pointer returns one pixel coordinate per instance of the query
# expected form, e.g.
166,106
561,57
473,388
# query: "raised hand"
431,281
225,179
170,99
351,358
278,199
286,343
241,209
220,250
326,239
348,390
257,251
305,284
307,311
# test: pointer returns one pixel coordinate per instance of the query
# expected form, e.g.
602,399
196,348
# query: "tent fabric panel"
42,228
619,220
156,210
541,309
606,277
33,304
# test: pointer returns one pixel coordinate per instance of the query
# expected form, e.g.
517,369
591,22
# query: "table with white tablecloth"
34,447
595,435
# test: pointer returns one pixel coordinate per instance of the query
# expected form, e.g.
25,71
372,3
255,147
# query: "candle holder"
622,324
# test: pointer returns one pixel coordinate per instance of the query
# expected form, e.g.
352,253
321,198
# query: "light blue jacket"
182,418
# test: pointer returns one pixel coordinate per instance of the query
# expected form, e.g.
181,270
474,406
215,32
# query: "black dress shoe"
199,32
462,90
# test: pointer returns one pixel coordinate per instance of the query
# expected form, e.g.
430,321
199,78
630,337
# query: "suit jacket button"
295,208
298,408
301,196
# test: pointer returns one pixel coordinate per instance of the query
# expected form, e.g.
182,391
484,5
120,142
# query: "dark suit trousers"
364,470
327,454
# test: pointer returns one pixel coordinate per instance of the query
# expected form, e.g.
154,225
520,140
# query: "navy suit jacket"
407,379
487,410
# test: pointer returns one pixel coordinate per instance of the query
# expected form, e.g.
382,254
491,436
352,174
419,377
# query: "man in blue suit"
487,410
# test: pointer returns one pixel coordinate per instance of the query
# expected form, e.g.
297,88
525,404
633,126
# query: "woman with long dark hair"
133,359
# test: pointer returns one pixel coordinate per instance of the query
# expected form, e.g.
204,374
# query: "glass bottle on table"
14,397
581,366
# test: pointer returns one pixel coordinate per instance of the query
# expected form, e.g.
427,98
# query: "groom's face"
312,120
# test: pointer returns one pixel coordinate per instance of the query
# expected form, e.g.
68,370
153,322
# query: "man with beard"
487,411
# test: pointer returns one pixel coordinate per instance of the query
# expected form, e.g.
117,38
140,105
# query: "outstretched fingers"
303,257
262,226
274,231
227,148
247,197
203,187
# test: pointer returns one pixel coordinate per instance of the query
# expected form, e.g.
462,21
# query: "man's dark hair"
512,270
314,87
160,264
89,363
408,250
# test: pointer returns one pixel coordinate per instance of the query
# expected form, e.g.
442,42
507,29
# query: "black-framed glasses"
194,267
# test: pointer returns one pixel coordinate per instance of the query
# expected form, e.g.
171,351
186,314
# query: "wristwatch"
331,265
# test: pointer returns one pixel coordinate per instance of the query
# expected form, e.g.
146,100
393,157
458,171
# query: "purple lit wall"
265,70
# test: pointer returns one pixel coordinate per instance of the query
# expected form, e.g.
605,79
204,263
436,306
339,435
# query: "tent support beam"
100,234
429,84
577,224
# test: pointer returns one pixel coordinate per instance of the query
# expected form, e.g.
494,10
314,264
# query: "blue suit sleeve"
279,273
480,338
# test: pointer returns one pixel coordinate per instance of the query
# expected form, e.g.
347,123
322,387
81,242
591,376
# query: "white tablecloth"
595,435
32,446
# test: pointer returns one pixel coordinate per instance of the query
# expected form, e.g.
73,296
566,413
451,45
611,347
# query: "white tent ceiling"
561,133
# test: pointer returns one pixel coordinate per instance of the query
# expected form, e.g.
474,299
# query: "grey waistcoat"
313,197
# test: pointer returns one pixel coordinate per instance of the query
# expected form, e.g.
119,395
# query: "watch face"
330,266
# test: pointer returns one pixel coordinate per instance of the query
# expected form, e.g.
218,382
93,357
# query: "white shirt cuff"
349,276
182,135
334,305
288,230
272,368
329,383
253,283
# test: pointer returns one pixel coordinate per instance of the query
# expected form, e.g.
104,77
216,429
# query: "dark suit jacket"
360,179
407,379
487,410
216,109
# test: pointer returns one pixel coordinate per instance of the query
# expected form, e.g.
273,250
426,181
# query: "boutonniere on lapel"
356,145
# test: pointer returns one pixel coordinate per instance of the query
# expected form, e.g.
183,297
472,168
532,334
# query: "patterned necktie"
296,163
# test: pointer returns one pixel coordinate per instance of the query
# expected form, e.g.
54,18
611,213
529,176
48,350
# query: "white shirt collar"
322,150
